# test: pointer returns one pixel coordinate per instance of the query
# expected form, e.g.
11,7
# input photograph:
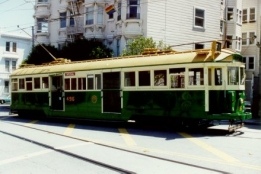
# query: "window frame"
7,65
40,23
89,15
244,15
14,84
129,77
195,79
252,14
199,46
6,86
119,11
14,47
239,16
100,15
247,62
201,18
251,35
230,14
238,43
8,46
133,9
162,81
244,38
63,16
96,81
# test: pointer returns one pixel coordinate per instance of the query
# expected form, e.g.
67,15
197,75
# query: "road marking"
43,152
126,136
26,156
31,123
209,148
69,129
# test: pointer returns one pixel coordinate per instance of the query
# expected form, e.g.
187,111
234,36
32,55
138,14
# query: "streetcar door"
111,92
57,93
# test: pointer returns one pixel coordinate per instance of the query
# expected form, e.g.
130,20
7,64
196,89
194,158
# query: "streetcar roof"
197,56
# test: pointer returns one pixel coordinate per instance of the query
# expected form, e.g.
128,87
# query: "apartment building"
251,48
116,22
13,50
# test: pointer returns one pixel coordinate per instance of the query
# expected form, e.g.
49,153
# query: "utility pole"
32,36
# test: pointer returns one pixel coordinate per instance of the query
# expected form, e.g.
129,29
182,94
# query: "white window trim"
86,14
239,16
249,19
194,16
238,43
11,47
245,39
254,40
247,62
233,14
246,15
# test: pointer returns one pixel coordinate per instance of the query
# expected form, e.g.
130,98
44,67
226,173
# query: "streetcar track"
111,167
131,151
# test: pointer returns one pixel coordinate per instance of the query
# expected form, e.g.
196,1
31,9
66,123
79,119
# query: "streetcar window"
73,83
232,75
45,82
160,78
144,78
98,81
14,85
29,85
82,83
21,84
177,79
90,82
196,76
67,84
37,83
129,79
242,76
218,76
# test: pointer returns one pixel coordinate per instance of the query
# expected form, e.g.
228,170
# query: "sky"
15,13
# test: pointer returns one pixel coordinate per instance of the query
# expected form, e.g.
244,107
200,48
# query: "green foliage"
137,46
162,46
39,55
81,49
84,49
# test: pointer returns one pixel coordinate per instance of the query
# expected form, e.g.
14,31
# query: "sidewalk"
253,121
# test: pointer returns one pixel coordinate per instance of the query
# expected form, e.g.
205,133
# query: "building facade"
13,50
116,22
251,37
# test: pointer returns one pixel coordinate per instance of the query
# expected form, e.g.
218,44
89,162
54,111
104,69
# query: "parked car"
5,99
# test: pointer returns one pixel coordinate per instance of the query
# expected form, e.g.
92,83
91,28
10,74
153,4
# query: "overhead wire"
4,1
15,8
80,14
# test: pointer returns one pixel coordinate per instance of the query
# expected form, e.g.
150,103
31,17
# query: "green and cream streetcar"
182,87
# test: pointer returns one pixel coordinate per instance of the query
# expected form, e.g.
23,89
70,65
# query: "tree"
137,46
81,49
84,49
39,55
